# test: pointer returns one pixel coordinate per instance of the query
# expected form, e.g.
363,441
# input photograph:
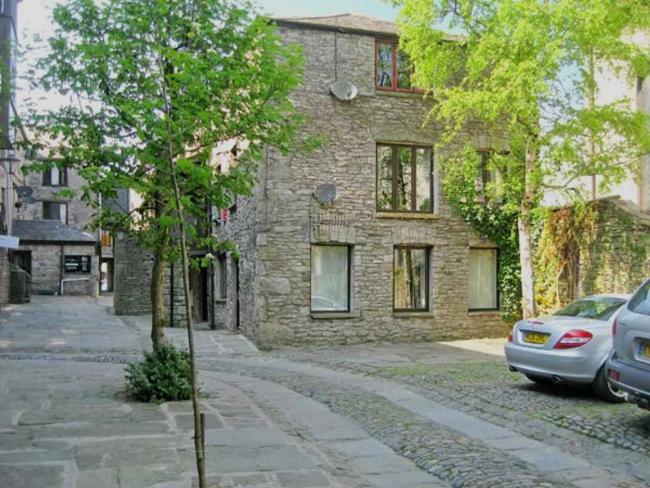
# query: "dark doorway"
22,259
203,300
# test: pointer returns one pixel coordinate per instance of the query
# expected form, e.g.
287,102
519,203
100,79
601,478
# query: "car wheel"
543,380
605,391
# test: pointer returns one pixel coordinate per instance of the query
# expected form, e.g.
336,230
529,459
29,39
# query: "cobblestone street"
360,416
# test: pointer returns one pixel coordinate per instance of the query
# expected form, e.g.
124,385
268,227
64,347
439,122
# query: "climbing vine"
598,247
561,236
490,208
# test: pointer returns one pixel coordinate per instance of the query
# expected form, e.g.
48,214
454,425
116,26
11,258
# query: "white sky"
34,17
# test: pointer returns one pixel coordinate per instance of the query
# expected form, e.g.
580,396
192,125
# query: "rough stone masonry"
268,295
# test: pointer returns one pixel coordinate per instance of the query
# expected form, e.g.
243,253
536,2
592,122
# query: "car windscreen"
601,308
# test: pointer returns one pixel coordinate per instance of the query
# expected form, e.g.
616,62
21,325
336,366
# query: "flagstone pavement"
283,419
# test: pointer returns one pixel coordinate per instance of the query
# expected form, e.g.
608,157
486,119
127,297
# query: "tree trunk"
157,285
524,225
199,445
157,299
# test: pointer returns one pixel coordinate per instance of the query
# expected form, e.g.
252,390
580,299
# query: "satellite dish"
344,90
24,191
326,194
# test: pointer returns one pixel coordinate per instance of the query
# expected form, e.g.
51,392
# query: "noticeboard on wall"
77,264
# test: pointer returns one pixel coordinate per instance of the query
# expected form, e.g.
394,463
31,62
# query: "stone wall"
275,265
79,214
602,249
240,310
177,316
616,256
47,269
132,285
131,294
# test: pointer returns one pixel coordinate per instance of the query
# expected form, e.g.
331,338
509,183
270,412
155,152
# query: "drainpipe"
171,294
213,324
61,267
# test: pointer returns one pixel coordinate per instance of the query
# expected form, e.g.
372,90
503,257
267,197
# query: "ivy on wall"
485,205
595,248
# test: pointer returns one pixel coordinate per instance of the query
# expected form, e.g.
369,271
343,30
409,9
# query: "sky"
34,17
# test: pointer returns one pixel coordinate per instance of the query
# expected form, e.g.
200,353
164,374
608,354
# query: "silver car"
570,346
628,366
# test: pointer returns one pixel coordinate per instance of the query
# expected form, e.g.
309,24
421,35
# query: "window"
55,177
330,278
490,176
640,302
483,290
223,277
105,238
55,211
404,178
411,278
393,68
77,264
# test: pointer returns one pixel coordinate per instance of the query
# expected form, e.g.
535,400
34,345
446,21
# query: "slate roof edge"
331,28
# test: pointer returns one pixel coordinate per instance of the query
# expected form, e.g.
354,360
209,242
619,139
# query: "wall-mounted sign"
9,242
77,264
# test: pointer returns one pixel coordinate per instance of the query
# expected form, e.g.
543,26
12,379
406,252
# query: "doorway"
22,259
106,276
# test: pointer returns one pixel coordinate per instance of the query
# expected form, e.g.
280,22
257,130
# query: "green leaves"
150,80
164,375
521,77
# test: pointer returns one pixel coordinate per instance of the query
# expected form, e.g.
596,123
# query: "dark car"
628,366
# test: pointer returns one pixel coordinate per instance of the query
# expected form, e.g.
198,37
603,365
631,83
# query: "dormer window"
392,68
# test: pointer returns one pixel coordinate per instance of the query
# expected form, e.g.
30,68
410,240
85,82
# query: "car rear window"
640,302
599,308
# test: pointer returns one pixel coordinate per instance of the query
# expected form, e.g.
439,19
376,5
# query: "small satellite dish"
344,90
24,191
326,194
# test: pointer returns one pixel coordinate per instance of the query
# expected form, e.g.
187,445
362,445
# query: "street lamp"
8,158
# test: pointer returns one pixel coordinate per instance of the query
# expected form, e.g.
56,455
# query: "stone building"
57,247
60,259
354,241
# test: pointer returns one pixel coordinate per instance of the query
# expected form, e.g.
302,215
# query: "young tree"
525,71
155,87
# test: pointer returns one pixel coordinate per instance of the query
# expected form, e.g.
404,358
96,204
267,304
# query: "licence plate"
535,337
645,350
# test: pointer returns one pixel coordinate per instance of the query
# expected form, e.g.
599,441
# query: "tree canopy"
526,72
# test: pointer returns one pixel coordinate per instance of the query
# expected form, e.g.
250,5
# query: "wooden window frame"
427,291
349,280
497,291
394,162
394,43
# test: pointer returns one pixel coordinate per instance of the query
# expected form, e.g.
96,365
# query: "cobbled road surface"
385,416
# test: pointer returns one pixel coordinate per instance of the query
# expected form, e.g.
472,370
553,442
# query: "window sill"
413,315
335,315
407,215
483,312
395,93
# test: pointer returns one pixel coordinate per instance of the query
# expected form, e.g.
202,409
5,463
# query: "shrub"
163,375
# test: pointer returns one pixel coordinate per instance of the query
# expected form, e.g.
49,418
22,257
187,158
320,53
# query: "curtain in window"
483,279
385,177
410,279
385,65
329,278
